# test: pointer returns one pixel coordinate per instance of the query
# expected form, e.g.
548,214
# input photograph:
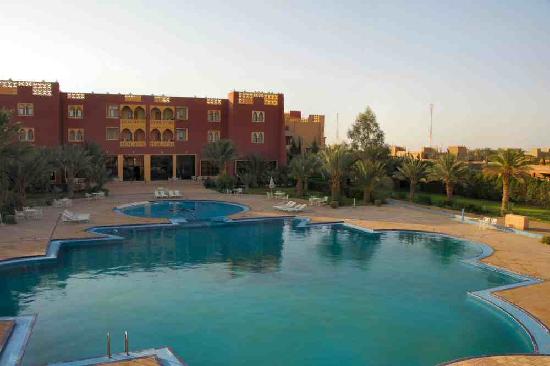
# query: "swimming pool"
265,292
189,210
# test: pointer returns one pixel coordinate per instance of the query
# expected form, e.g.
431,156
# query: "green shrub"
209,183
225,182
9,219
334,204
378,203
545,239
423,200
399,195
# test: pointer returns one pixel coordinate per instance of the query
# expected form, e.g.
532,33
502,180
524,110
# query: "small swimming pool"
189,210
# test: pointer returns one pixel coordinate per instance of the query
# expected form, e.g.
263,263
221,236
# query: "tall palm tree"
257,168
448,169
72,160
220,153
336,161
414,171
301,168
508,164
370,176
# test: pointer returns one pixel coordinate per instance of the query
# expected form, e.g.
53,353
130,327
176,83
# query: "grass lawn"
490,207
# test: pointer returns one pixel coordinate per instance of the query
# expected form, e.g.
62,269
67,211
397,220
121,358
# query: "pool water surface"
266,293
190,210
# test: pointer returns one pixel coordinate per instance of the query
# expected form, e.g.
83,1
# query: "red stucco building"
149,137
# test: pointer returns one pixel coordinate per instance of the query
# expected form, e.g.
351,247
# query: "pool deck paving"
144,361
6,327
517,253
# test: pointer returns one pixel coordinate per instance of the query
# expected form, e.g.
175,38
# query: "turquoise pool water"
264,293
191,210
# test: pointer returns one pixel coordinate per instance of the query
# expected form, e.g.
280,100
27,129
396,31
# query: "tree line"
27,168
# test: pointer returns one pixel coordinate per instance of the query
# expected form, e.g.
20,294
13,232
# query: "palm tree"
301,168
8,129
26,166
336,161
370,175
257,168
220,153
508,164
450,171
73,160
414,171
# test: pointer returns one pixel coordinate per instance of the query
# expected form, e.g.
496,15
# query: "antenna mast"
431,122
337,129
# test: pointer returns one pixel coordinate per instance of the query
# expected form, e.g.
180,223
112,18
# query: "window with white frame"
181,134
113,111
75,111
213,135
25,109
182,113
112,133
76,135
257,137
26,134
258,116
214,115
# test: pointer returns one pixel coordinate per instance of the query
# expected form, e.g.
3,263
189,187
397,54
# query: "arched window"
79,136
154,135
167,135
139,113
167,114
30,134
139,135
126,135
127,113
155,114
72,135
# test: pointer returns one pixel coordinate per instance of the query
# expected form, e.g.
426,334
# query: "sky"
483,64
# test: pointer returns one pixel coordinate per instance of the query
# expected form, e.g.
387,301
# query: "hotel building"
149,137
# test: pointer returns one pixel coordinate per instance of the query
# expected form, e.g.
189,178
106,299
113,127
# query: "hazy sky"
485,65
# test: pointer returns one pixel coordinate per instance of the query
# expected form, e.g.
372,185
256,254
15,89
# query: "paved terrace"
511,251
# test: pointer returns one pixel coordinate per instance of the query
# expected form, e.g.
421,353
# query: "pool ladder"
126,344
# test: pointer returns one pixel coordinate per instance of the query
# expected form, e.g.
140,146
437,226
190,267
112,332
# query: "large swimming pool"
264,293
190,210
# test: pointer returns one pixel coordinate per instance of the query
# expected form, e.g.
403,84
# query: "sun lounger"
171,194
88,196
20,214
289,204
296,208
69,216
177,193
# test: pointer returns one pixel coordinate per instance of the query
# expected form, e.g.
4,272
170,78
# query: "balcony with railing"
132,143
161,143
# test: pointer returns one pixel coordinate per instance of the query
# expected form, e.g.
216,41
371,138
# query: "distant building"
540,153
461,152
426,153
398,150
307,130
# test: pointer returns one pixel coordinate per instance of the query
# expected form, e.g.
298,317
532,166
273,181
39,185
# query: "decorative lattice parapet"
215,101
41,88
248,97
132,98
76,95
162,99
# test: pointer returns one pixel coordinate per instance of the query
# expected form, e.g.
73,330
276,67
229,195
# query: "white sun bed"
69,216
296,208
